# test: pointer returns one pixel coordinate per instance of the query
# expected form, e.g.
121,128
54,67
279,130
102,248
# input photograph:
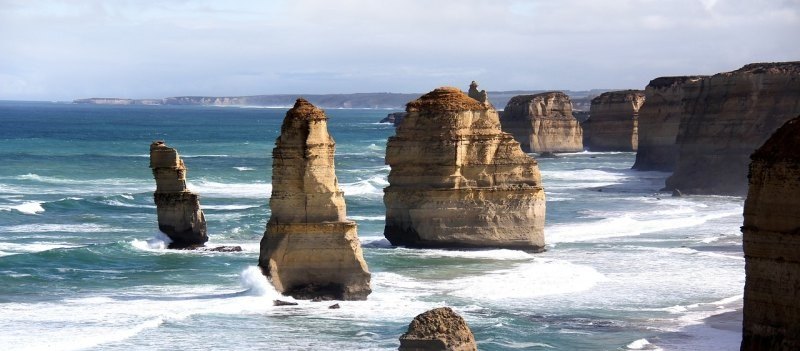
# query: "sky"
63,50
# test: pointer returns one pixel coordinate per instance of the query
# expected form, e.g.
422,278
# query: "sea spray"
257,284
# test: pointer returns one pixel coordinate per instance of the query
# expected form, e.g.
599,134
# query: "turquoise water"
82,266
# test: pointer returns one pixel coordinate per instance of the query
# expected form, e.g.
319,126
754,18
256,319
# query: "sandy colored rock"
727,116
772,244
457,180
613,125
439,329
310,249
179,213
543,123
659,120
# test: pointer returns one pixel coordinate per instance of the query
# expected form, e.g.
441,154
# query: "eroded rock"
179,213
543,123
438,329
613,125
457,180
310,249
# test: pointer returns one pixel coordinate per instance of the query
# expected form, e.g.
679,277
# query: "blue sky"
62,50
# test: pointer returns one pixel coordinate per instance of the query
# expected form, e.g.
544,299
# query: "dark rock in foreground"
438,329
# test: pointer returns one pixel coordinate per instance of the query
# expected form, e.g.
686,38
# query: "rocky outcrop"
474,93
394,118
179,213
310,249
457,180
543,123
438,329
613,125
727,116
659,119
772,244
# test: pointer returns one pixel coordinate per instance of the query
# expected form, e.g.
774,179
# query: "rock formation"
727,116
772,244
481,96
457,180
659,119
614,121
309,248
543,123
438,329
179,213
394,118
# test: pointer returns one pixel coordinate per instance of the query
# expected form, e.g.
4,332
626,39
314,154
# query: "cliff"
310,249
457,180
772,244
613,124
543,123
436,330
395,118
726,117
659,120
179,213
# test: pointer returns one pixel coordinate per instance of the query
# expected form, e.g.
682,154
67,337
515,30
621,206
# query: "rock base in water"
438,329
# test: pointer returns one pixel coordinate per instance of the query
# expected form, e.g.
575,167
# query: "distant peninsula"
356,100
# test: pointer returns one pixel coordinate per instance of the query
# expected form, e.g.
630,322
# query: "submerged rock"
771,233
179,213
457,180
438,329
727,116
543,123
310,249
659,120
613,125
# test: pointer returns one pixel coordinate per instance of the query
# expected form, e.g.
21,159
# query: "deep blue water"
80,266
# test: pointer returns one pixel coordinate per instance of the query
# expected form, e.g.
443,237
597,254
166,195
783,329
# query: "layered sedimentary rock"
457,180
543,123
613,125
772,244
179,213
727,116
310,249
659,119
437,330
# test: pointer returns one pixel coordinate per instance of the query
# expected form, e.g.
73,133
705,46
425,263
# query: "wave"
257,284
585,175
372,186
201,155
66,228
366,218
641,344
29,208
243,169
209,188
159,242
7,249
229,207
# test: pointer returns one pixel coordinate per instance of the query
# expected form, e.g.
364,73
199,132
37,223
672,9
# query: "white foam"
228,207
20,248
366,218
208,188
52,227
642,344
496,254
244,169
30,207
586,175
371,186
160,242
257,284
201,155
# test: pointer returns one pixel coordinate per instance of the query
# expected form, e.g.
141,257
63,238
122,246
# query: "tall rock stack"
179,213
543,123
727,116
310,249
457,180
772,244
659,119
613,125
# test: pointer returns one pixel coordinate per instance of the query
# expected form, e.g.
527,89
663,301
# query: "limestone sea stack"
727,116
659,119
543,123
438,329
613,125
310,249
179,213
457,180
772,244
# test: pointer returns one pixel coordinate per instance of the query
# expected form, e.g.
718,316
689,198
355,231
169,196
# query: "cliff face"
772,244
310,249
179,213
438,329
458,181
613,125
543,123
726,117
659,119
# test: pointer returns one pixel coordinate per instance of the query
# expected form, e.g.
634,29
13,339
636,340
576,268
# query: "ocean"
83,266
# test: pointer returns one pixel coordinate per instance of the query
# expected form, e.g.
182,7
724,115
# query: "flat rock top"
445,99
664,82
783,145
526,99
439,323
619,96
792,67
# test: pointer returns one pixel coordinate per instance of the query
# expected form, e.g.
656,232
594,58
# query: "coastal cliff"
439,329
543,123
179,213
310,249
613,125
772,244
659,121
727,116
457,180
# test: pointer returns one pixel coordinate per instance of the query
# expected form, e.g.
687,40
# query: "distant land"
580,99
